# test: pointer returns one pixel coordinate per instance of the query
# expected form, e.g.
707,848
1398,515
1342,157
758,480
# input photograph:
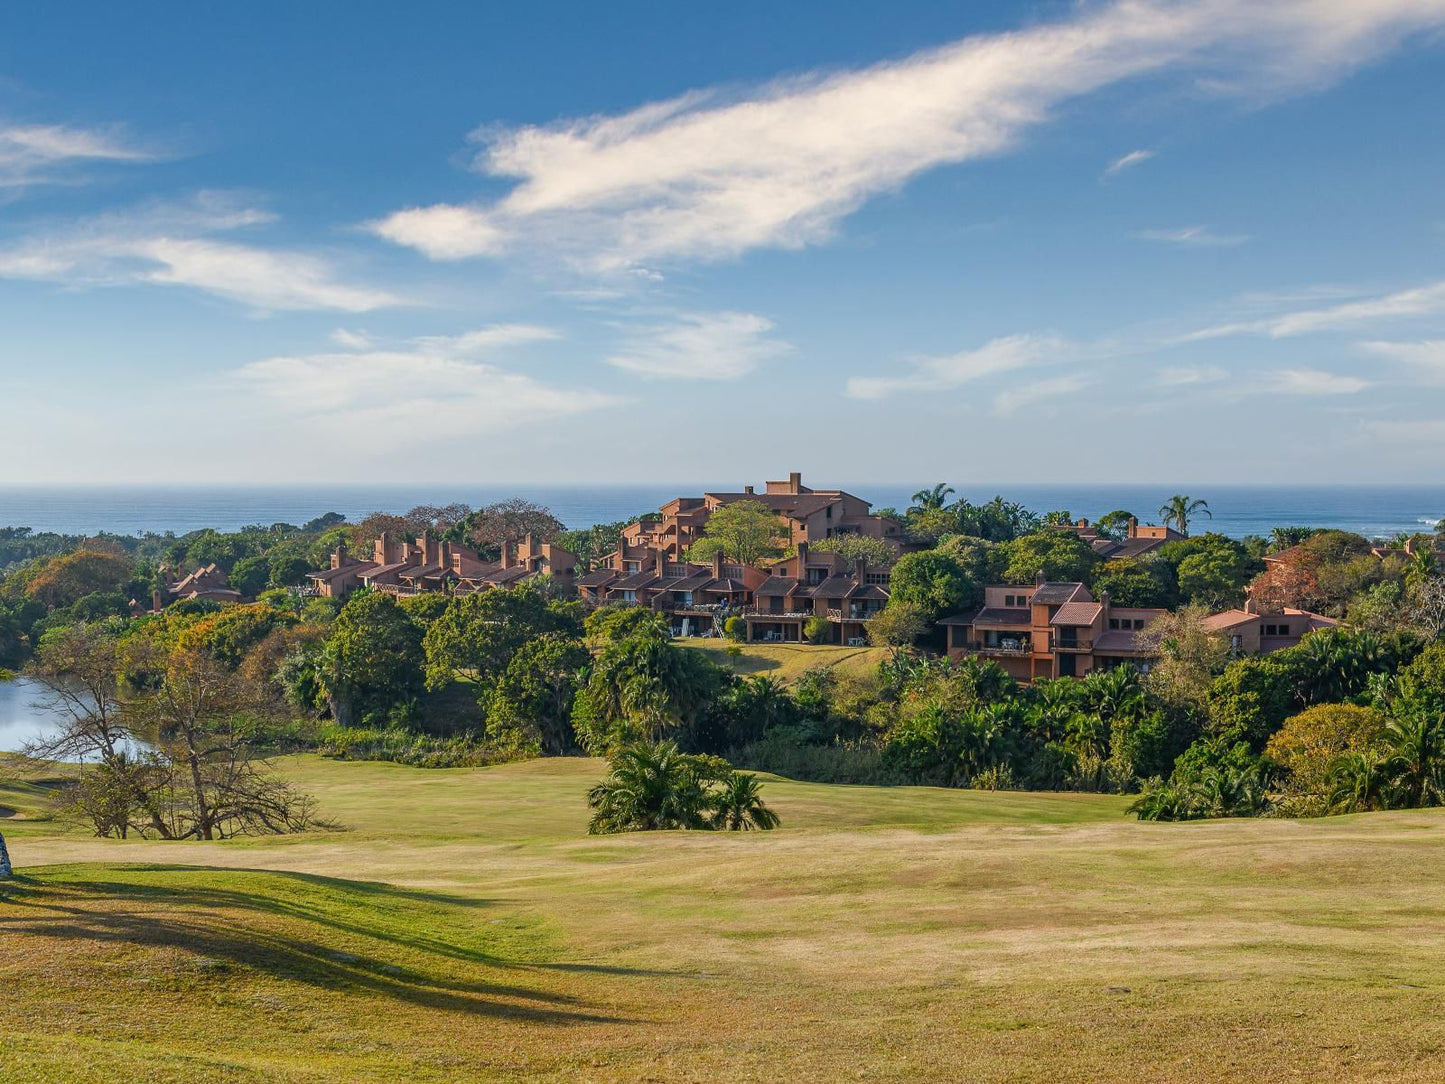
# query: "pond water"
26,715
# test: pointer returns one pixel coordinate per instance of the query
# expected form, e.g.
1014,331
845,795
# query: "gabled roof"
600,578
327,574
637,581
1012,616
1077,613
1117,641
777,586
1056,594
384,570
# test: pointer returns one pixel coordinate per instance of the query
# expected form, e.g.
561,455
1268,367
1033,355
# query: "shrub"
817,630
735,628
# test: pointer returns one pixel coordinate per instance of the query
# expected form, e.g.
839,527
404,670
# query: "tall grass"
839,763
404,746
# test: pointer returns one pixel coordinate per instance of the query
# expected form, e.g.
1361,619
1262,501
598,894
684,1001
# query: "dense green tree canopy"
748,532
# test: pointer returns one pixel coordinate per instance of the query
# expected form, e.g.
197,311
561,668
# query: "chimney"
1410,546
156,603
1133,527
717,560
339,557
529,546
1250,607
1082,522
795,482
507,553
1040,578
802,556
748,490
1104,600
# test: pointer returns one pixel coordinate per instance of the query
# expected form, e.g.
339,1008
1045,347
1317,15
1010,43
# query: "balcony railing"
1072,645
979,647
404,590
851,615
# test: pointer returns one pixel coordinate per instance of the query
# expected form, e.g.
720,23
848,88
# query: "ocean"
1373,511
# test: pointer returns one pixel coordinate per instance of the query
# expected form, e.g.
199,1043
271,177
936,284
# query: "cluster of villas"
1044,629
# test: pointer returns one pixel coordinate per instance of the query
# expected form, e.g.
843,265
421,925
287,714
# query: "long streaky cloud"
1427,300
710,176
176,245
31,154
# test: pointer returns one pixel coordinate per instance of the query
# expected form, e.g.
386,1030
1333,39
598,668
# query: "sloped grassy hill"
464,928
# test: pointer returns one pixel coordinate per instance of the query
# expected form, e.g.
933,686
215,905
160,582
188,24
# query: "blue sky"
1136,242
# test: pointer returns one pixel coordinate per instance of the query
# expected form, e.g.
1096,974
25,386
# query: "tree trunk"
5,870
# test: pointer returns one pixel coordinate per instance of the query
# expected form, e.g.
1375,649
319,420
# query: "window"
1011,600
1271,630
879,578
1113,622
1284,630
1139,623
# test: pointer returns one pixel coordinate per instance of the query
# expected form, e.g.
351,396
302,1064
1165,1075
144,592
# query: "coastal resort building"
399,567
808,515
696,598
1258,630
1051,629
809,585
207,582
1139,539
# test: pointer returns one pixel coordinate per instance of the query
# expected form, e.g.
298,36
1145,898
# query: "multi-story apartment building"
1138,540
400,567
808,515
809,585
1050,629
1258,629
697,598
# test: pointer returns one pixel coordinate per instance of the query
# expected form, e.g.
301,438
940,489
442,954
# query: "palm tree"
652,787
1417,755
738,807
1422,567
936,497
1358,781
1179,510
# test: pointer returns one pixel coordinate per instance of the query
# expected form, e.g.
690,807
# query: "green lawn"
463,927
788,661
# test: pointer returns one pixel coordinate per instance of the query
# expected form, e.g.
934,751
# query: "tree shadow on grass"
229,930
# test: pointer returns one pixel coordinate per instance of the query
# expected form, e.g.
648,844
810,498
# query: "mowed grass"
464,927
788,661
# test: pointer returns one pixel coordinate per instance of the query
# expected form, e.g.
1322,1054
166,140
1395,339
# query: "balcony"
852,615
1071,645
401,590
1010,648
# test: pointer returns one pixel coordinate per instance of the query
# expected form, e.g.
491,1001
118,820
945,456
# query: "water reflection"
27,715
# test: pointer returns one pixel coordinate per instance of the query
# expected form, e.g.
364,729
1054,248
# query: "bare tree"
207,719
1427,605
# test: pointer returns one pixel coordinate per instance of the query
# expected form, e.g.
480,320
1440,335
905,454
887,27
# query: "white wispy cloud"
1002,355
174,244
396,397
1311,382
355,340
1427,300
1126,161
700,346
1186,376
1193,236
493,337
1012,400
1426,357
710,175
35,153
